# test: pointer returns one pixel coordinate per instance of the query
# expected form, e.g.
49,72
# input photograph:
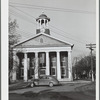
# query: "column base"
36,76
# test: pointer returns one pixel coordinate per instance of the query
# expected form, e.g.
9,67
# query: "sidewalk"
76,81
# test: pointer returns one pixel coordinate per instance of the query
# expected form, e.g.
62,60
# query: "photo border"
4,49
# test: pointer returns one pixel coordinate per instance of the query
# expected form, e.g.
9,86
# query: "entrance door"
64,64
53,64
53,71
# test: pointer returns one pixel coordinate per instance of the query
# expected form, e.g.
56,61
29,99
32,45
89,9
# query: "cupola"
42,24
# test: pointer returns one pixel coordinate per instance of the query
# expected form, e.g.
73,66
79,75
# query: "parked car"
44,80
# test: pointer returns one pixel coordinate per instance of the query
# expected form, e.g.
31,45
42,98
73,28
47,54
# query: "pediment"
42,40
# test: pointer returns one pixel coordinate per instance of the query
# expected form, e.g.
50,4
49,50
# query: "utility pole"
91,46
76,68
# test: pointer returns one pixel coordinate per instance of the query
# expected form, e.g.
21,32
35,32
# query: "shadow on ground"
85,92
39,96
50,95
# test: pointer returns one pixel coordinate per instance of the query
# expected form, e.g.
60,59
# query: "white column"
47,24
58,66
47,64
40,23
70,65
36,65
44,22
25,67
14,66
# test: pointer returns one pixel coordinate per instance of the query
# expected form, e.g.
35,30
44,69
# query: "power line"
32,35
76,50
52,26
16,14
80,46
23,12
26,33
57,33
64,32
51,8
68,37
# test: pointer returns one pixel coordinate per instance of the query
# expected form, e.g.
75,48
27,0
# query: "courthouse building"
42,55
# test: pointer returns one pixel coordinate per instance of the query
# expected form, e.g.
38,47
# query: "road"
65,92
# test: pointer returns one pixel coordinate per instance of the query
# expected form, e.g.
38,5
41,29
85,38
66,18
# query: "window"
22,72
53,71
42,58
53,63
53,59
63,64
32,71
42,21
42,72
63,58
22,62
41,40
62,70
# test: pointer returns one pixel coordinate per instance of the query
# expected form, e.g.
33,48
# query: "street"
69,91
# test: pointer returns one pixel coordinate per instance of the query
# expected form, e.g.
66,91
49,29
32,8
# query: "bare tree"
13,39
35,66
82,67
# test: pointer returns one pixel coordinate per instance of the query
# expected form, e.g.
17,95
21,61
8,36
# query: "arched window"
42,21
41,40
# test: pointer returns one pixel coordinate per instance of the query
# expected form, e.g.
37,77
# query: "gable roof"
48,41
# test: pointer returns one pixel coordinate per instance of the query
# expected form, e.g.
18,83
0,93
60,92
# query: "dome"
43,16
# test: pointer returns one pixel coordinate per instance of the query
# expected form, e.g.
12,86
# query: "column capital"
58,51
25,52
47,51
36,52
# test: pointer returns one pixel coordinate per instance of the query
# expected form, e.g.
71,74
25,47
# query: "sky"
73,21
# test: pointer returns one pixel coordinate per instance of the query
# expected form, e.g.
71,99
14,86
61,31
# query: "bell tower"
42,24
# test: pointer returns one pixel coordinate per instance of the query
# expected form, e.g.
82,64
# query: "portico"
56,61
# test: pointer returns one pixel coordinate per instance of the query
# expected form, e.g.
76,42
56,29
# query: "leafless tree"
13,39
84,65
35,66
